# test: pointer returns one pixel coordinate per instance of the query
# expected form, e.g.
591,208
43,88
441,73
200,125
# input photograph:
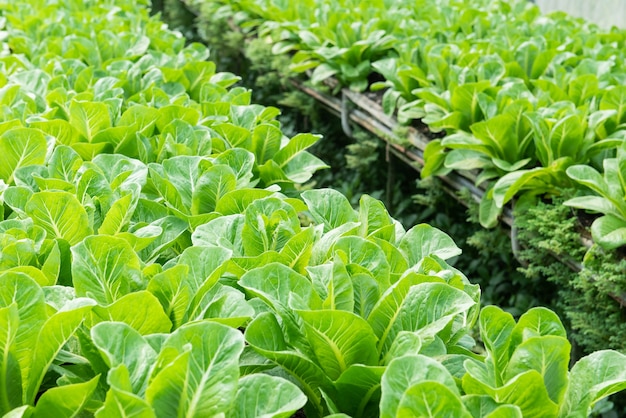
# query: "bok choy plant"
154,262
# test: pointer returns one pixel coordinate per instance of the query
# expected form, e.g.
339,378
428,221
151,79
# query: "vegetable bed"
534,102
529,107
159,260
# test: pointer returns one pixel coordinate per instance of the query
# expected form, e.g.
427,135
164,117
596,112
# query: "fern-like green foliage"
583,298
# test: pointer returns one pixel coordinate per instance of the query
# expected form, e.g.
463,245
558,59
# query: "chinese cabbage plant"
609,230
154,262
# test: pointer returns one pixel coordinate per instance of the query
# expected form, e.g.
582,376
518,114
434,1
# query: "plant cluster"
533,102
149,216
358,165
520,96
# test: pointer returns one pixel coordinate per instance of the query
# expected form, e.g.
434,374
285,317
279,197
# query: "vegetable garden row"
524,98
527,106
158,258
535,103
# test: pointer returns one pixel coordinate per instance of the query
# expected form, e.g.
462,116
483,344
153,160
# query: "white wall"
605,13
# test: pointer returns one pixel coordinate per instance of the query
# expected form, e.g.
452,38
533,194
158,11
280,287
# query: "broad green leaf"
269,224
506,411
140,117
496,328
405,343
295,145
498,138
120,402
593,203
176,179
339,339
118,343
238,266
222,304
105,268
60,129
334,285
16,197
358,390
236,201
265,335
322,72
173,291
536,322
65,401
366,293
89,118
266,140
241,162
203,263
387,306
93,183
424,307
31,271
60,214
396,260
566,137
526,390
466,159
140,310
548,355
609,231
301,168
329,207
88,151
21,147
64,164
592,378
321,249
480,406
373,215
431,399
196,372
224,232
21,292
588,176
434,157
142,237
536,180
615,99
424,240
264,396
120,213
10,377
52,336
488,210
275,282
172,228
528,393
121,171
298,249
405,372
172,112
24,411
212,185
364,253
